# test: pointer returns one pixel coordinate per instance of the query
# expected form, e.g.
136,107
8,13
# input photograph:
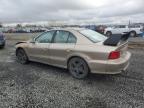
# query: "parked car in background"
97,28
142,35
100,29
79,50
38,30
122,29
2,40
91,27
12,30
21,31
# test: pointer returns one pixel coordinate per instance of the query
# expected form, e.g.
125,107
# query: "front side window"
93,36
45,37
61,37
122,26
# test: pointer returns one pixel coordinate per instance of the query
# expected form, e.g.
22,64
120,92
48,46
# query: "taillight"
114,55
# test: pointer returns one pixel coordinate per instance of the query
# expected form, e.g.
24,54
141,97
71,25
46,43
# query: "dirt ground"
38,85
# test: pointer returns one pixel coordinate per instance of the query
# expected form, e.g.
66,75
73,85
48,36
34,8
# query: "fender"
21,42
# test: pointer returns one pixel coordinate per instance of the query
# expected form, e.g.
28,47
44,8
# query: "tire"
1,47
108,33
78,68
21,56
133,34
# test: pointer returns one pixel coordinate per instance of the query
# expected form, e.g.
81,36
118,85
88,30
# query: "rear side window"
71,39
122,26
134,26
61,37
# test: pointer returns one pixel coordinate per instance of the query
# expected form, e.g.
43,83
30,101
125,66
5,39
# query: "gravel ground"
42,86
137,40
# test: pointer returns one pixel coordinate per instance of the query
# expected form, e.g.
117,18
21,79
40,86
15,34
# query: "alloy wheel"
21,56
78,68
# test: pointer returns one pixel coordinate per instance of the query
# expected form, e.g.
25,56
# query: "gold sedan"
81,51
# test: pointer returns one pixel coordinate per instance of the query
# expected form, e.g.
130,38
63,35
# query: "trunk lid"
120,42
116,40
123,49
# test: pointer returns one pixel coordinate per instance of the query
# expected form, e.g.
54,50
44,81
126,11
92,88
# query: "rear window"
134,26
93,36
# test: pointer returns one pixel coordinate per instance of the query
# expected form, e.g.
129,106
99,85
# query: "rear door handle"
68,50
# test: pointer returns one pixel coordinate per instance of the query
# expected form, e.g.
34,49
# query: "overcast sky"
99,11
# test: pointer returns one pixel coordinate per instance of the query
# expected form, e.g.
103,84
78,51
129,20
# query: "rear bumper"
110,66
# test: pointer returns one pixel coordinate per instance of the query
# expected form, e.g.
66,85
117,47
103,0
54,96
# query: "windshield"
93,36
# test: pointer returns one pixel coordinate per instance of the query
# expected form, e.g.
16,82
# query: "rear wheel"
21,56
108,33
78,68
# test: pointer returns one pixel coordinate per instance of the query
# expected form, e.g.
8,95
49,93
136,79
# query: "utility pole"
129,24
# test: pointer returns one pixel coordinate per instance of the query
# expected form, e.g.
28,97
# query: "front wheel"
21,56
2,47
78,68
133,34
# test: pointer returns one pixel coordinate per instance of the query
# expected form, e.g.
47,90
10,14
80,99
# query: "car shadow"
64,72
65,75
1,48
102,77
50,68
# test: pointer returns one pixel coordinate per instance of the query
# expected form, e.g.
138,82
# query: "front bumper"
110,66
2,42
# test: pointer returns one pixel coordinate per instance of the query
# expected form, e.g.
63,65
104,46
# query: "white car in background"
122,29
